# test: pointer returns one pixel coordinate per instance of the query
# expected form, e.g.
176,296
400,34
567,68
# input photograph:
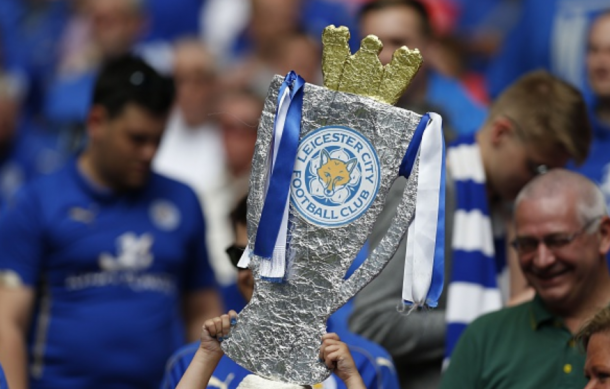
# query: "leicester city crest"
336,176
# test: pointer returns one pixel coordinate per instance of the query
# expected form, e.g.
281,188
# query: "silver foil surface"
278,334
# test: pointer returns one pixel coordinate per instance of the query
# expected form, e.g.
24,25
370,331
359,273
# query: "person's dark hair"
129,79
240,212
415,5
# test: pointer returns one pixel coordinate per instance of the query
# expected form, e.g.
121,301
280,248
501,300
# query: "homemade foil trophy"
325,159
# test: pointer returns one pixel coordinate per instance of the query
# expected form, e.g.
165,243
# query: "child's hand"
337,357
215,330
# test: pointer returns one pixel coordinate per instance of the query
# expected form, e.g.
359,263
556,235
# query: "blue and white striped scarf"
473,288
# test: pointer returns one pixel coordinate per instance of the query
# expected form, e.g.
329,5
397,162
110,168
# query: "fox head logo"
336,176
334,173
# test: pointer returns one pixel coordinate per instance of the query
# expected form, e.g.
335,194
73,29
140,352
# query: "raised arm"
16,303
209,352
337,357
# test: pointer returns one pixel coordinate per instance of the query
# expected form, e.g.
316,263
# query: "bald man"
562,237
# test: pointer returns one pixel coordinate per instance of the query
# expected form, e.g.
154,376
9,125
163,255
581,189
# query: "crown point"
397,75
335,53
371,43
335,34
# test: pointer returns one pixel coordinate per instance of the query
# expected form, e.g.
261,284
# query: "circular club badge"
336,176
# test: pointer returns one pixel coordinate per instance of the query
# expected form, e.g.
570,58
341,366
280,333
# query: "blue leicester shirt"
373,362
109,270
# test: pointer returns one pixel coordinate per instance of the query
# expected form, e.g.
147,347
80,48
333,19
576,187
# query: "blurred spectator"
169,21
25,152
191,150
104,261
259,23
238,115
74,47
595,337
562,237
597,166
548,35
270,21
294,51
405,23
114,28
106,28
192,147
481,27
29,32
538,123
221,23
300,53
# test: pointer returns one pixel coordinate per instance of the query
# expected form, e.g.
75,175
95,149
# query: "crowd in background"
222,55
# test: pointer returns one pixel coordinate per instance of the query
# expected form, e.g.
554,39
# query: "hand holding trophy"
325,159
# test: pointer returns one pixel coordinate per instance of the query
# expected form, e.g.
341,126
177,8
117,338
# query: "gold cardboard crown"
362,73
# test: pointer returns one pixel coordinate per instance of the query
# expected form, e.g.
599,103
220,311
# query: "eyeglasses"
235,252
554,242
534,168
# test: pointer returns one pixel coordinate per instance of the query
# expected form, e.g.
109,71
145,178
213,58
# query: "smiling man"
562,237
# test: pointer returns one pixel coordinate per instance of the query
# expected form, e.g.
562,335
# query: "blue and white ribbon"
271,236
424,260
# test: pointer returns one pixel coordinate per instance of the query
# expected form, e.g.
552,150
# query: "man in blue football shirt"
373,363
104,262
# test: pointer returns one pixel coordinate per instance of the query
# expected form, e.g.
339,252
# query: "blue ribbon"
438,269
279,185
406,166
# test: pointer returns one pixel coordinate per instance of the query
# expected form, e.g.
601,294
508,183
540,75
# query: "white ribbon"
422,232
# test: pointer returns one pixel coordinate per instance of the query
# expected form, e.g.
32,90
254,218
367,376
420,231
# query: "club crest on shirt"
165,215
336,176
128,266
133,253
